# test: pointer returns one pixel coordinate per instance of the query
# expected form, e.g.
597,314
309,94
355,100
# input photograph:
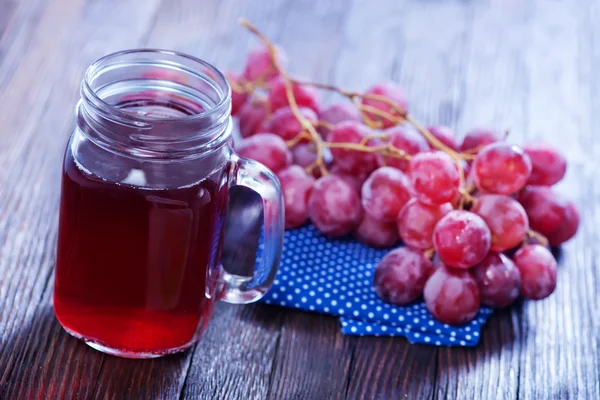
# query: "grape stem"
399,116
537,236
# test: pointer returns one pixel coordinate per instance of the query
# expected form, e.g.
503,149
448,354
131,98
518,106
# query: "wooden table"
528,66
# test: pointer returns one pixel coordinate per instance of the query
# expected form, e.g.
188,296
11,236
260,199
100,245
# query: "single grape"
401,275
394,93
334,206
385,192
501,168
304,154
251,117
284,123
356,181
237,98
477,138
336,113
538,271
406,140
296,186
266,148
260,65
461,239
444,135
452,295
375,233
548,166
505,217
305,96
417,220
550,213
353,161
499,280
434,176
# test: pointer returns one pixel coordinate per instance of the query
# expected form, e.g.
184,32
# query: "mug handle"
253,175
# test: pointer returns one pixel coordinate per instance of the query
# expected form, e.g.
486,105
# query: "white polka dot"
363,306
311,308
348,304
353,329
468,337
427,339
430,323
369,329
462,343
384,328
341,310
401,318
438,331
468,328
475,333
275,295
453,333
416,320
371,315
303,299
356,313
326,309
437,343
452,339
289,297
386,316
318,301
417,334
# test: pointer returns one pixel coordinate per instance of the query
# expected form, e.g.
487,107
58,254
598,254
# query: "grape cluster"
476,216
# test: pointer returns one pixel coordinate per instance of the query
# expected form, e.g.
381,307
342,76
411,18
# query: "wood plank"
35,351
493,94
560,111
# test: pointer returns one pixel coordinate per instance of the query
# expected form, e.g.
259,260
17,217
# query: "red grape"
434,176
266,148
548,166
452,296
334,206
336,113
461,239
538,271
417,220
353,161
394,93
251,117
375,233
480,137
304,154
284,123
501,168
550,213
259,64
296,186
444,135
385,192
505,217
353,180
305,96
499,280
401,275
406,140
237,98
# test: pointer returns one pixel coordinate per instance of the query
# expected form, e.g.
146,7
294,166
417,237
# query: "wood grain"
524,66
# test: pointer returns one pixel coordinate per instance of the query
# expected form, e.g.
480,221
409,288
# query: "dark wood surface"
528,66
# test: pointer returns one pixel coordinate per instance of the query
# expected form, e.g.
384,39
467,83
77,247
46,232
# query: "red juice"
135,268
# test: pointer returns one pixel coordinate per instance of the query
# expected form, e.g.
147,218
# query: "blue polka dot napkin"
335,276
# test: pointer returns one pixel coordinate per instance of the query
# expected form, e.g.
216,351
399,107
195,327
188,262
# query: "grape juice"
135,269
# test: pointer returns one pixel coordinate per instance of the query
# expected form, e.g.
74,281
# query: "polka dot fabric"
336,277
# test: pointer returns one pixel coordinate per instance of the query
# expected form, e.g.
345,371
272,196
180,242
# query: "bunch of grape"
476,217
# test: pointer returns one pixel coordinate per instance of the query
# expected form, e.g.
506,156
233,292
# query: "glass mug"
144,196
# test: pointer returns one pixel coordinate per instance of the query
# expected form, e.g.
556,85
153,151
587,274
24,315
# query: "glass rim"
103,62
